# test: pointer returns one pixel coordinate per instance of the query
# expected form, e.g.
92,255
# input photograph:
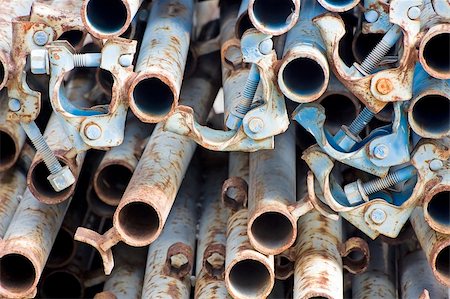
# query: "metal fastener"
126,60
93,131
266,46
414,12
378,216
14,105
371,16
178,260
436,164
380,151
40,38
384,86
255,124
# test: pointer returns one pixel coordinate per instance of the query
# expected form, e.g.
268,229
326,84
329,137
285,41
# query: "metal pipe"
416,278
211,244
60,144
435,245
434,51
318,266
429,109
108,19
436,208
170,258
338,5
97,206
248,273
10,10
27,244
126,280
243,22
117,166
12,136
271,227
162,59
379,279
274,17
284,265
61,283
304,72
235,188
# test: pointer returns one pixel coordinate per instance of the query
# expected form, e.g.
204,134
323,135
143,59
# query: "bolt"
414,12
178,260
266,46
14,105
255,124
436,164
216,260
378,216
371,16
92,131
381,151
87,60
384,86
126,60
40,38
357,125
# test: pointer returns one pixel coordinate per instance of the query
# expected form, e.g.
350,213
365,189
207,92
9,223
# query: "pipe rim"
4,70
433,32
274,30
429,218
338,8
441,248
11,160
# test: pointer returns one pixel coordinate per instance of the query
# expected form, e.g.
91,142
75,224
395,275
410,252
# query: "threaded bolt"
87,60
390,180
361,121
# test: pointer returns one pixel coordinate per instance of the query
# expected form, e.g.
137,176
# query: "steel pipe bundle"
323,169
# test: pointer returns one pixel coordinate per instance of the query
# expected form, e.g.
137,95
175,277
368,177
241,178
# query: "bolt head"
384,86
39,63
378,216
233,122
266,46
414,12
62,179
436,164
380,151
255,124
92,131
371,16
126,60
40,38
216,260
14,105
178,260
353,194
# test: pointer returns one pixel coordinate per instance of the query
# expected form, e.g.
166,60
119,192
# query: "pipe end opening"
63,249
339,110
436,53
439,208
61,284
443,264
17,273
272,230
274,15
431,113
74,37
246,285
153,97
106,16
139,221
112,181
8,150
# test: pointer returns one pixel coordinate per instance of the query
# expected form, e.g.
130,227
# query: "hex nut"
39,63
353,194
61,180
233,122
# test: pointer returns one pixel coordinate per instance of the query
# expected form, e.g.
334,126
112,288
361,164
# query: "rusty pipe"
211,244
243,22
379,279
235,188
435,245
162,59
429,109
318,266
338,5
274,17
416,278
248,273
10,10
108,19
26,245
434,51
12,136
61,283
170,258
117,166
436,208
271,226
97,206
127,278
284,264
304,72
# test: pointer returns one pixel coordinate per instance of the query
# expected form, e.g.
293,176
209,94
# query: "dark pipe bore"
139,220
153,97
272,230
106,16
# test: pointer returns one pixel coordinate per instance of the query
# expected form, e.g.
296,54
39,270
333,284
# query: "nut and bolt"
384,86
178,260
380,151
216,260
436,165
40,38
255,124
378,216
92,131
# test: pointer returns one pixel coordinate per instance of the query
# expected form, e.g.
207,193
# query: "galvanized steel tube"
117,166
235,188
436,207
26,245
304,72
435,245
271,227
108,19
274,17
318,266
434,51
170,258
248,273
162,58
338,5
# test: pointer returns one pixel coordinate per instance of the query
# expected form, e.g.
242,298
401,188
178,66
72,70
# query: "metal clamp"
259,125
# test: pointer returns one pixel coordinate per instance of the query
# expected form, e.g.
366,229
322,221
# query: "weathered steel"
27,244
235,188
117,166
106,20
211,244
170,259
435,245
162,59
243,22
416,278
338,5
304,72
127,278
248,273
271,226
274,17
434,49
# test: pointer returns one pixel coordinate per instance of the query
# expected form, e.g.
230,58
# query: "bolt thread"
390,180
375,56
47,154
79,60
359,123
251,85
